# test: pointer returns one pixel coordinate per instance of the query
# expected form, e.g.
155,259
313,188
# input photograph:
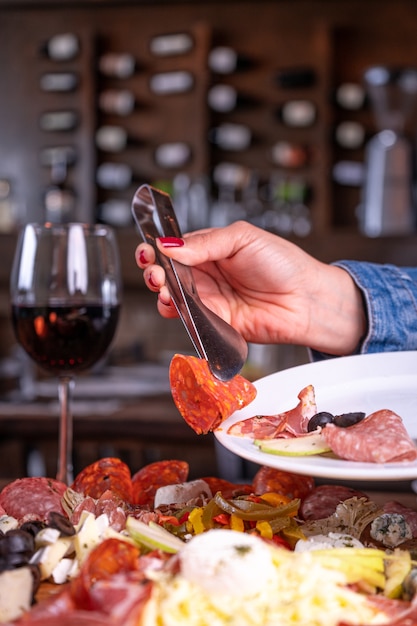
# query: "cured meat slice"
105,474
322,501
149,478
379,438
410,515
290,423
204,401
35,496
269,479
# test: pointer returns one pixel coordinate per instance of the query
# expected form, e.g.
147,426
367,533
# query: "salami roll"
149,478
322,501
269,479
379,438
35,496
105,474
204,401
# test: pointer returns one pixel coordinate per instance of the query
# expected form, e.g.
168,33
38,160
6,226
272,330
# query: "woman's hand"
267,288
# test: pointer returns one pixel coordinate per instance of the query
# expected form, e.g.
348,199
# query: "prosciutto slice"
288,424
379,438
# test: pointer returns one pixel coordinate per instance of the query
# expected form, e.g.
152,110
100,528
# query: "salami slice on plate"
289,423
204,401
379,438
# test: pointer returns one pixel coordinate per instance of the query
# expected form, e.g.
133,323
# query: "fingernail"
142,258
152,282
171,242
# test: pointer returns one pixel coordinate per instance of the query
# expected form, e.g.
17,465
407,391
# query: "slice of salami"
289,423
322,501
149,478
227,488
286,483
105,474
379,438
204,401
35,496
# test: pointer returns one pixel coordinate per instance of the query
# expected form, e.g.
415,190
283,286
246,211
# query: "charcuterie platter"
365,383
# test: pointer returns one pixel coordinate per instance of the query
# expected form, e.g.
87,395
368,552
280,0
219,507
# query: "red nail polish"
142,258
152,282
171,242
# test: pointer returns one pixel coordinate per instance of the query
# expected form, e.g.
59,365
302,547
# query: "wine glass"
65,298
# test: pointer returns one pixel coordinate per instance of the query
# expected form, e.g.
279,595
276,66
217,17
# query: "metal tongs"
222,346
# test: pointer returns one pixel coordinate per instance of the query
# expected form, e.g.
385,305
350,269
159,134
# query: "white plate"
357,383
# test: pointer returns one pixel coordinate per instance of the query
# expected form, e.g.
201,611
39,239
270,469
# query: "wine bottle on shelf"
289,155
58,121
166,83
350,96
172,44
349,173
115,139
295,77
119,102
117,65
59,199
117,176
298,113
226,60
350,135
61,47
232,137
225,98
58,154
58,81
233,175
172,155
115,212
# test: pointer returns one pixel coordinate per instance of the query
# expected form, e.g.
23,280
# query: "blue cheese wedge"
390,529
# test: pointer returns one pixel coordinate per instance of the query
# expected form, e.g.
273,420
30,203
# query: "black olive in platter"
33,527
319,420
12,560
60,522
17,541
348,419
36,575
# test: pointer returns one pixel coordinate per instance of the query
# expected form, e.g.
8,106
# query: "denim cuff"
390,299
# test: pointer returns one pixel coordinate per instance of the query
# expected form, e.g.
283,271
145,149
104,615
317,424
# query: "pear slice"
303,445
153,536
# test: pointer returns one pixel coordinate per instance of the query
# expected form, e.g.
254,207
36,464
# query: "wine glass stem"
65,469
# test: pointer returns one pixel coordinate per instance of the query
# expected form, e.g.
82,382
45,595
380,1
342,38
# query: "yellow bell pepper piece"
264,529
275,499
196,521
236,523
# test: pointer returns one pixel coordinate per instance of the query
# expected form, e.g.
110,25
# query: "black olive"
33,527
17,559
319,419
348,419
16,541
36,575
60,522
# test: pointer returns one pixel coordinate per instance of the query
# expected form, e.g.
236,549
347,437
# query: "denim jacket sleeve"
390,298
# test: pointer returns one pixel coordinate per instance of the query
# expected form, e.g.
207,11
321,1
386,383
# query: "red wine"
65,339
